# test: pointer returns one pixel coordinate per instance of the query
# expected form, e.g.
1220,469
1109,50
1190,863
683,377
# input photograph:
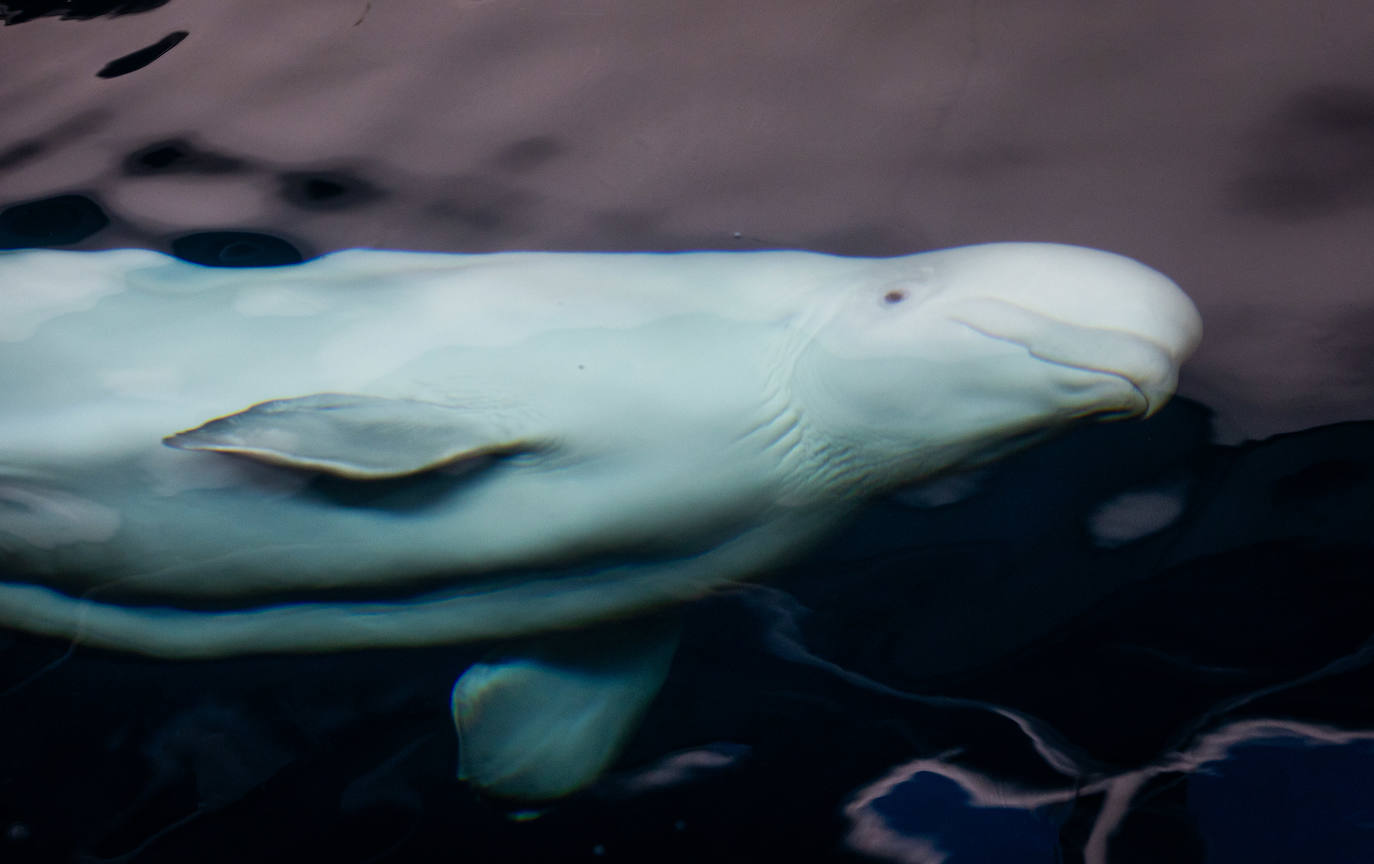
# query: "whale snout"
1080,308
1147,368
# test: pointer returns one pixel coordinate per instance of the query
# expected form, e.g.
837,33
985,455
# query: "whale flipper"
352,436
547,721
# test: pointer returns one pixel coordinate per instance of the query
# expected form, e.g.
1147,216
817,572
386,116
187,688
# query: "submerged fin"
356,437
546,722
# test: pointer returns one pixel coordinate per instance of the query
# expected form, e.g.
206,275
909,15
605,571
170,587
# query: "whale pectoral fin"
546,722
356,437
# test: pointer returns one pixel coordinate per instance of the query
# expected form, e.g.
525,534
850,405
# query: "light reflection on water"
931,810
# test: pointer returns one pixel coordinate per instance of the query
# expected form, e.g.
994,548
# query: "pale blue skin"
524,443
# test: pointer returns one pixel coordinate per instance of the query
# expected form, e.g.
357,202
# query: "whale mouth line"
1142,405
1142,364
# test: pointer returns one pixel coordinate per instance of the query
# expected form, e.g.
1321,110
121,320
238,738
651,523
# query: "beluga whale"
550,451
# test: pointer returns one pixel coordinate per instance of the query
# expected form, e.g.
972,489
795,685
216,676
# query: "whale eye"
916,284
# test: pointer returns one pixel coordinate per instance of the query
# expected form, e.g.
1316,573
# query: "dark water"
1143,642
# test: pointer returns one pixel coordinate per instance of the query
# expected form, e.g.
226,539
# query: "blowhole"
896,295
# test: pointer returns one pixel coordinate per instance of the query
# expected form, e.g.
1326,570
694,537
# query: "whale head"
947,360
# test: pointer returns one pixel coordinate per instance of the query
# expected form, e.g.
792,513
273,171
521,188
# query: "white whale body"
378,449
